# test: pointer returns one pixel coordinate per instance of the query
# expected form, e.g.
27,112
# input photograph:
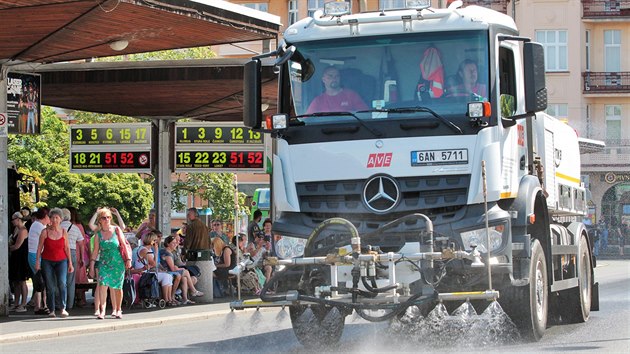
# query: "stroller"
149,291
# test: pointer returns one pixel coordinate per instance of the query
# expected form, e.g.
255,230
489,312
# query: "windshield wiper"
345,114
450,124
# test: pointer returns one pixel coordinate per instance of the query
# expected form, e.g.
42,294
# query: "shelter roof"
52,31
209,89
46,31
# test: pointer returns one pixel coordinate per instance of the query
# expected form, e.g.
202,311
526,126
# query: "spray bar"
469,295
349,259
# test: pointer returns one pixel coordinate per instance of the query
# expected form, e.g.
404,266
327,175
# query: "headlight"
478,238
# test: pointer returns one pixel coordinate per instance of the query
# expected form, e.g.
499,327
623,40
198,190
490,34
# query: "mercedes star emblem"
381,194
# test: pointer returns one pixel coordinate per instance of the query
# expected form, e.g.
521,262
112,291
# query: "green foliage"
46,157
173,54
216,188
81,117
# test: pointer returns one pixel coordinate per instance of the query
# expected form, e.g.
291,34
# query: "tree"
171,54
45,156
215,188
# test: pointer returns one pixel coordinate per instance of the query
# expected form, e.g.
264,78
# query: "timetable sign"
206,133
110,134
110,161
208,160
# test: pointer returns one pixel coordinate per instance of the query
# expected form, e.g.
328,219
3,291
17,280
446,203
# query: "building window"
293,11
613,124
183,204
555,44
559,110
612,50
587,37
260,6
314,5
391,4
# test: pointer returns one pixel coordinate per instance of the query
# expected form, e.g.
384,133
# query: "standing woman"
75,241
19,270
53,257
148,225
81,269
40,221
111,269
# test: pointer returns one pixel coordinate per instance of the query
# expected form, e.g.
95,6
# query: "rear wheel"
527,305
317,325
575,304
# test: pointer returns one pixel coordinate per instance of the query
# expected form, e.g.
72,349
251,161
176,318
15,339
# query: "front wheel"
575,305
317,325
528,305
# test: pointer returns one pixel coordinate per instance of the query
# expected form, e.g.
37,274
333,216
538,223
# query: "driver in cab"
335,98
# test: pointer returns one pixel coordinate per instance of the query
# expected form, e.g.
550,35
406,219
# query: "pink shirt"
344,101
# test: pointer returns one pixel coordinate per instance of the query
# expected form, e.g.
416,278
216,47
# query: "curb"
106,327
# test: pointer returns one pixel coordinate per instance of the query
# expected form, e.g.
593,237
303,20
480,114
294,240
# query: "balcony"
606,82
605,9
616,154
497,5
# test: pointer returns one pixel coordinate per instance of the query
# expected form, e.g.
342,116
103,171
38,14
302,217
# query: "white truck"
428,191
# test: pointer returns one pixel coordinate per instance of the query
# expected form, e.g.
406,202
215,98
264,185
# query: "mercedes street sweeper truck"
412,151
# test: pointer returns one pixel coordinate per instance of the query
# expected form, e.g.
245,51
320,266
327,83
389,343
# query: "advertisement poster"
23,103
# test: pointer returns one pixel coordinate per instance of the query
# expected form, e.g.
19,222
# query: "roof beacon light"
418,4
336,8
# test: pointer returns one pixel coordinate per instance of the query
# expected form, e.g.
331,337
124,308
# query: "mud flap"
595,297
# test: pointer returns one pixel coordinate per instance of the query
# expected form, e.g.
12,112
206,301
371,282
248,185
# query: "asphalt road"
269,331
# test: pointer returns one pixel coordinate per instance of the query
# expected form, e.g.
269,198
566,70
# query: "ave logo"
379,160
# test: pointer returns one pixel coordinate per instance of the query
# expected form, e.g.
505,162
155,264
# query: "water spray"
485,205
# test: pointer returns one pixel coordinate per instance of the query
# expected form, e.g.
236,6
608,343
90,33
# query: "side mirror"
508,105
534,71
252,111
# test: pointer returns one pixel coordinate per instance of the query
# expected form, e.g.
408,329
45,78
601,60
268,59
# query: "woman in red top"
53,258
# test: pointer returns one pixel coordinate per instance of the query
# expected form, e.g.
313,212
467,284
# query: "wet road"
608,330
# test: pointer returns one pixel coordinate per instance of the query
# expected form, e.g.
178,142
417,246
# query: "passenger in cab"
335,98
468,81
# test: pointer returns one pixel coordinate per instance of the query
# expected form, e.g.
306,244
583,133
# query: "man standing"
196,232
603,236
253,229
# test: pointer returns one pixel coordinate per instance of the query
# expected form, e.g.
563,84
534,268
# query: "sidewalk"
21,327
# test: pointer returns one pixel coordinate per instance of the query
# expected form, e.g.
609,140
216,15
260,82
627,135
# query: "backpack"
148,286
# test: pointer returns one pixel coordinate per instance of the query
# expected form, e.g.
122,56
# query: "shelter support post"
4,204
162,148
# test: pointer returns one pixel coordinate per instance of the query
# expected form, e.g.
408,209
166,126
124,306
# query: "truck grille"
337,198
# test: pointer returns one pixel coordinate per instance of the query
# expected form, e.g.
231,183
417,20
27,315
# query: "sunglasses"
216,224
105,217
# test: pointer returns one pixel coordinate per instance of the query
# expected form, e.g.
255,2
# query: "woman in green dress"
111,268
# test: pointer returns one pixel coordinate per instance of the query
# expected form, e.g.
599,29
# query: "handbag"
38,282
193,270
125,249
129,290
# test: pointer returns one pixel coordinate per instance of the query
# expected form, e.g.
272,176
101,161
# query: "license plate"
439,157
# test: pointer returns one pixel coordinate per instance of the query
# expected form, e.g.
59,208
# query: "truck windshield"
373,77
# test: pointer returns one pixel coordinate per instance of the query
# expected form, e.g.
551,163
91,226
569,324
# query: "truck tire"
317,326
528,305
576,303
